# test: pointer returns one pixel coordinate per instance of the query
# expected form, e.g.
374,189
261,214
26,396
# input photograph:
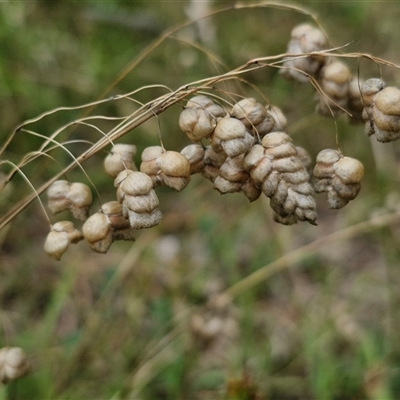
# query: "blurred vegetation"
123,325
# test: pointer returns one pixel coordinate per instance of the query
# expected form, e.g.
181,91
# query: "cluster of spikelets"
14,364
370,101
339,89
136,204
241,149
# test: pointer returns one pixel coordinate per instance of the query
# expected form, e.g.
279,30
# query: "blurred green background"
143,321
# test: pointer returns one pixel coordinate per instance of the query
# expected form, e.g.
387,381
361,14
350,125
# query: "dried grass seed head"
199,118
57,196
113,211
174,170
194,153
139,200
231,136
337,175
133,183
201,101
62,234
349,170
212,163
150,164
76,197
120,158
370,88
304,39
98,232
80,197
249,111
14,364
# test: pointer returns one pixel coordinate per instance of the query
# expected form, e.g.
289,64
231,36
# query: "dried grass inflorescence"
337,175
382,110
62,234
119,159
338,89
244,147
14,364
76,197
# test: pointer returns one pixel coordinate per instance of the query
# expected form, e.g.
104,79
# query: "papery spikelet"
194,153
199,118
14,364
76,197
385,115
212,163
276,169
57,196
62,234
249,111
151,163
232,177
231,136
80,197
174,170
120,158
139,200
98,232
107,225
338,176
304,39
334,81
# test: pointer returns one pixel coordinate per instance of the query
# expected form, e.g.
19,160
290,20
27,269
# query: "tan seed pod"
231,136
151,163
253,157
205,102
145,203
249,111
338,176
136,193
106,226
14,364
370,88
274,120
62,234
168,168
212,162
199,118
57,196
388,101
282,177
382,116
144,220
349,170
113,211
197,123
304,39
120,158
80,197
335,77
334,81
98,232
174,170
76,197
194,153
134,183
233,178
56,244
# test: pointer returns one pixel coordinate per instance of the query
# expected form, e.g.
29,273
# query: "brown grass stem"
287,260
